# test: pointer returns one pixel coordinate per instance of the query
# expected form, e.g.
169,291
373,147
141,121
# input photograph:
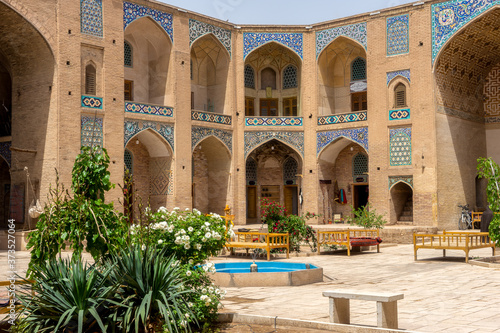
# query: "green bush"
366,217
487,168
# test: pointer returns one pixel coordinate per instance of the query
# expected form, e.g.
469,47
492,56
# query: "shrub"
271,211
487,168
366,217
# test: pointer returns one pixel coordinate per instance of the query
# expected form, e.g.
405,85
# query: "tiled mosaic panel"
358,135
198,134
92,102
91,17
492,93
400,146
211,117
399,114
273,121
393,180
198,29
5,151
398,35
92,132
404,73
343,118
356,32
448,17
149,109
132,11
463,64
159,173
255,139
252,40
132,127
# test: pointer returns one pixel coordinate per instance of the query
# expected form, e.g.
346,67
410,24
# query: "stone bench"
387,306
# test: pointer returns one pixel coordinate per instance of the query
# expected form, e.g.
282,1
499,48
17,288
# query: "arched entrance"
401,204
343,179
211,176
273,173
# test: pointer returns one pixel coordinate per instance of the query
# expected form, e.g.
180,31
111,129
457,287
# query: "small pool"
270,274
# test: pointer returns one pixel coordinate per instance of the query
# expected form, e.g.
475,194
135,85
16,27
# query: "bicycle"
465,219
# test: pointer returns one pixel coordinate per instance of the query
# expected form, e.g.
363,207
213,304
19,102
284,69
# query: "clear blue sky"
283,11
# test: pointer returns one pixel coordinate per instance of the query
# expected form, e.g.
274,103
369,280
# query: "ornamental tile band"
398,35
198,29
92,102
91,131
273,121
403,73
132,11
399,114
356,32
132,127
358,135
198,134
448,17
255,139
156,110
5,151
91,17
393,180
252,40
343,118
211,117
400,146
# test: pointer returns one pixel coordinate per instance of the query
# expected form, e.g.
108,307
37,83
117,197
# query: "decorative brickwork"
198,29
356,32
399,114
92,132
400,146
492,93
132,127
398,35
403,73
91,17
273,121
92,102
252,40
211,117
159,176
149,109
358,135
255,139
343,118
198,134
132,11
393,180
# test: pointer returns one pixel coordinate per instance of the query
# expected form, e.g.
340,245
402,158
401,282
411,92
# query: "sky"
291,12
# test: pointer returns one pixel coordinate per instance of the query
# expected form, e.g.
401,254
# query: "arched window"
400,96
358,69
268,78
249,77
129,161
359,165
90,80
251,171
290,171
128,59
290,77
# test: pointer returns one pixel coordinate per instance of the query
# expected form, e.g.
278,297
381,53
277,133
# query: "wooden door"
291,202
251,202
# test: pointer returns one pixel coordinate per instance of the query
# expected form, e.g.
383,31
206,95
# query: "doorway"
291,200
360,195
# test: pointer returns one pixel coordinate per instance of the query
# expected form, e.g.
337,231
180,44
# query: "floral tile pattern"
356,32
358,135
198,29
198,134
404,73
91,131
252,40
91,17
132,11
255,139
400,146
398,35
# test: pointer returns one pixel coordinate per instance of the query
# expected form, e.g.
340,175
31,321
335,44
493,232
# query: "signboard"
358,86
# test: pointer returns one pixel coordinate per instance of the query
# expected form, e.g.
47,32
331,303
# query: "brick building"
392,107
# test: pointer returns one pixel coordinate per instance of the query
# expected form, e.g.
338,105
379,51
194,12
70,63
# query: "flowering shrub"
271,211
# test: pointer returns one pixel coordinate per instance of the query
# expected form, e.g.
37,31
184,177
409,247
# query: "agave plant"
151,292
67,296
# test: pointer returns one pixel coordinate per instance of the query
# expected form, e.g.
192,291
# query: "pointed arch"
293,139
198,134
254,40
132,12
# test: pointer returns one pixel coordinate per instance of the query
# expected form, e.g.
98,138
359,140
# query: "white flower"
187,246
204,291
197,246
207,224
190,304
160,241
187,209
176,208
190,229
190,261
208,235
187,315
162,209
143,247
188,273
203,239
183,323
203,297
171,228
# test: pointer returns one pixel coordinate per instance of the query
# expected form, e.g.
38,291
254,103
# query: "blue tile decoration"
491,120
132,11
132,127
92,102
198,29
211,117
256,139
343,118
91,17
273,121
398,35
91,131
356,32
448,17
399,114
460,114
156,110
358,135
403,73
400,146
5,151
198,134
393,180
252,40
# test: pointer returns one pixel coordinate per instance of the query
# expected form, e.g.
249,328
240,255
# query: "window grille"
290,77
128,62
90,80
251,171
290,171
400,96
359,165
128,159
358,69
249,77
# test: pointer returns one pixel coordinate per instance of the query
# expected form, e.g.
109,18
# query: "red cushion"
365,241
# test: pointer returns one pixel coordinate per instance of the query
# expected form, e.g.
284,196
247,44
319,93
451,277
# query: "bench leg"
493,250
444,253
387,314
339,311
268,254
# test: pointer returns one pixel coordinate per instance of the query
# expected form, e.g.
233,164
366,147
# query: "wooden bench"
387,306
349,238
260,240
453,240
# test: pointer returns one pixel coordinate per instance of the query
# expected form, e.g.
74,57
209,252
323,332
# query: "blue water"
263,267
